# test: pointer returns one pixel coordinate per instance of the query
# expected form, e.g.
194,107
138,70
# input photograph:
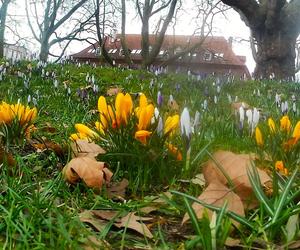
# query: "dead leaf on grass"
113,91
47,145
88,217
99,218
84,148
93,243
216,194
237,105
117,189
235,165
135,223
92,172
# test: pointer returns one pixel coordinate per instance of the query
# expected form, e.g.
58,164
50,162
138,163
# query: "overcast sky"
229,26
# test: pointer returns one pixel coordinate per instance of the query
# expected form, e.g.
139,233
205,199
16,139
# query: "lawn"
107,158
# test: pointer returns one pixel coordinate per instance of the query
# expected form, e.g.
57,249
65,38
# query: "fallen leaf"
47,145
117,189
104,214
199,180
237,105
48,128
7,157
99,218
93,173
84,148
113,91
230,242
173,105
148,209
135,223
235,166
88,217
216,194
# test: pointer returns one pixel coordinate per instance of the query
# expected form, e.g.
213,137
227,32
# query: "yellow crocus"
103,110
84,130
271,124
174,150
142,135
171,123
285,123
296,132
258,137
279,166
143,101
123,107
146,114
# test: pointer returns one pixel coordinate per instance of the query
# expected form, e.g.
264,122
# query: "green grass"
39,210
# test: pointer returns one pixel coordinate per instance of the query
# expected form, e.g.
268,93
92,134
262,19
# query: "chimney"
230,40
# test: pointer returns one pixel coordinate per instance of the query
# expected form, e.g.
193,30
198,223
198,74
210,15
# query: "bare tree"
104,10
45,26
3,15
205,15
146,10
274,26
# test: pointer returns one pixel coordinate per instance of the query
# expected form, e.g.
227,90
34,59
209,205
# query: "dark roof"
218,46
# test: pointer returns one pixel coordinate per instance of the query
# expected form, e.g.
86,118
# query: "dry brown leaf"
113,91
48,128
88,217
173,105
216,194
117,189
47,145
135,223
92,172
235,165
99,218
237,105
7,157
104,214
84,148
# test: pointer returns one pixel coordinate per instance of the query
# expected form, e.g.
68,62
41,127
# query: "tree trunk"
44,53
3,13
275,54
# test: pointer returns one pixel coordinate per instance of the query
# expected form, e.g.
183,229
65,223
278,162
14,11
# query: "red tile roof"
218,46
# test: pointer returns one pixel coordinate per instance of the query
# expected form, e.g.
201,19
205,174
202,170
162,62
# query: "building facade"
214,55
15,52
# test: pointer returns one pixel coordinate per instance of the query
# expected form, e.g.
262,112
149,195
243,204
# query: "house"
15,52
213,56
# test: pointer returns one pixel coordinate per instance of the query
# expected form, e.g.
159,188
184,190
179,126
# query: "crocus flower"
85,131
271,124
160,127
255,118
285,123
185,123
174,151
258,137
159,98
171,124
142,136
296,132
145,116
249,115
123,106
279,166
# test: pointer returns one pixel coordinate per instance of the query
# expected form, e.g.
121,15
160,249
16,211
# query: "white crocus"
242,114
185,123
196,121
249,115
229,98
255,118
160,127
215,99
294,107
205,104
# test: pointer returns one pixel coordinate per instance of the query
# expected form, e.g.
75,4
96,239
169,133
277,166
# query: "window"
138,51
207,56
111,51
194,54
219,55
133,51
161,52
